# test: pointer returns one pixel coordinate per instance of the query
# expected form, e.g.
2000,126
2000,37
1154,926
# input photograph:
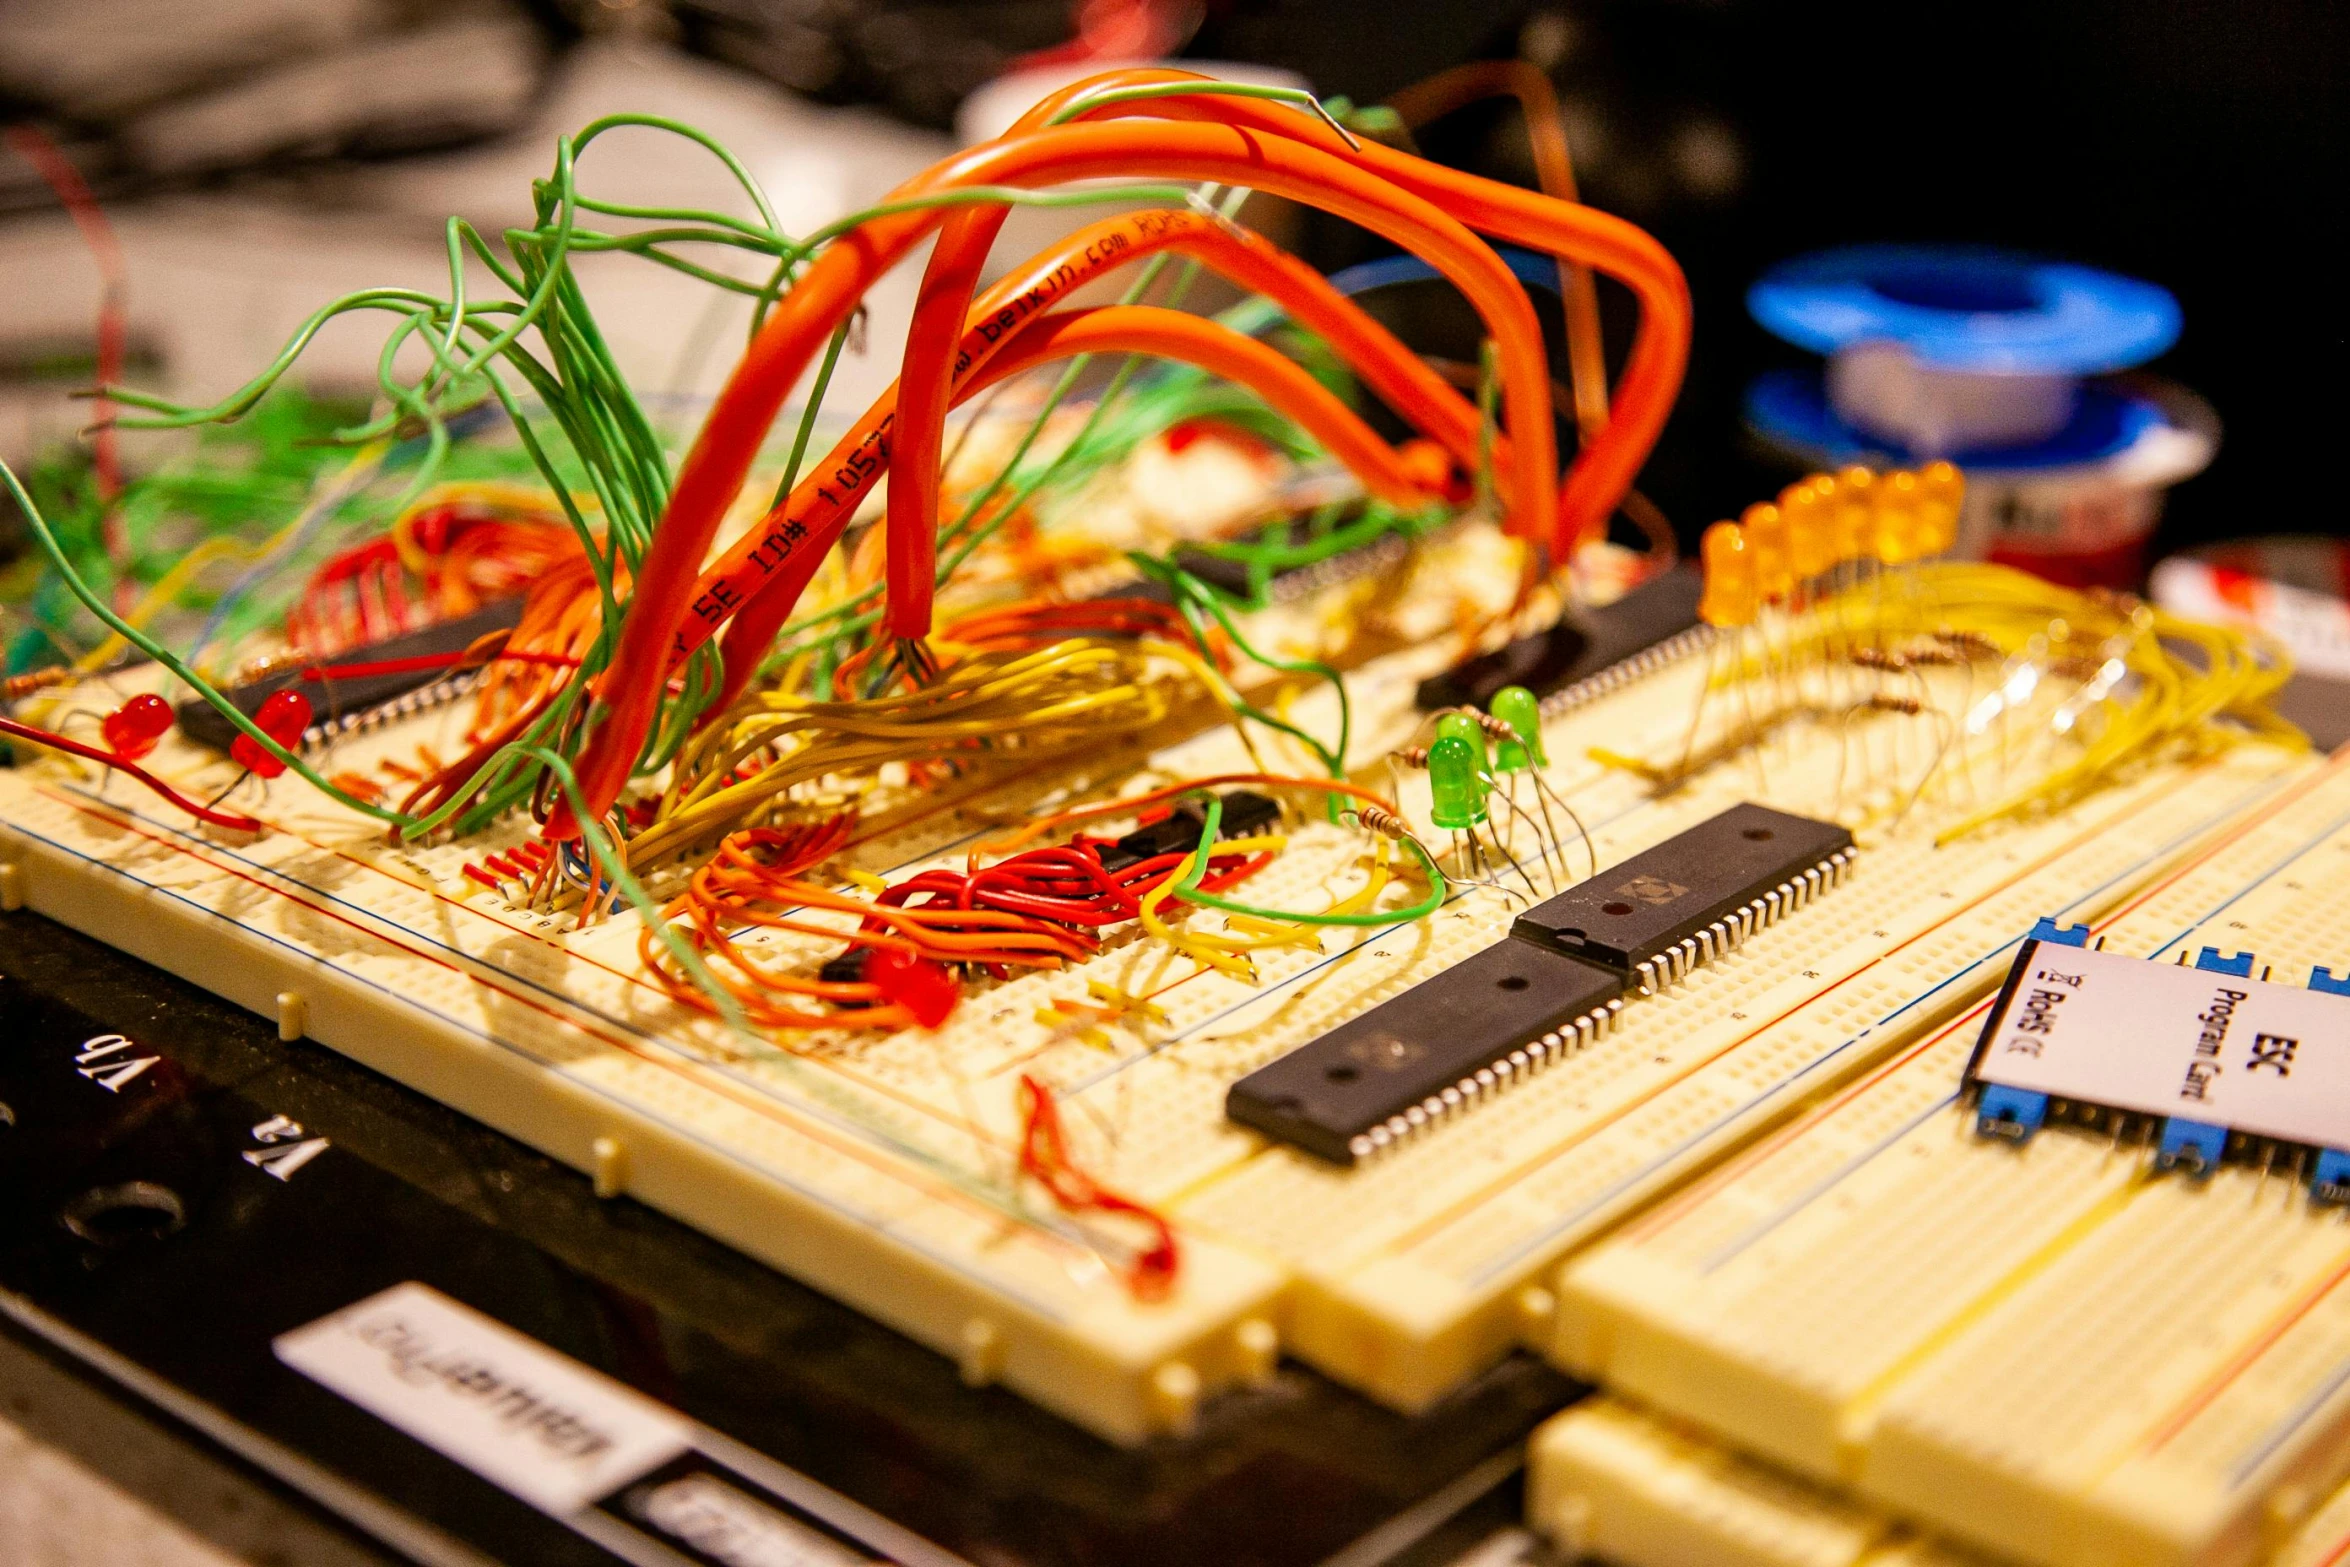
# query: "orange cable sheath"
765,560
738,421
1554,171
925,377
779,561
1604,470
1276,162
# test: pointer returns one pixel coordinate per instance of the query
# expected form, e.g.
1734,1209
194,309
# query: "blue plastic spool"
1966,311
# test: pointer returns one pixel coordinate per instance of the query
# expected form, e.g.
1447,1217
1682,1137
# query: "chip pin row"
1623,673
1363,562
1733,930
1526,1061
407,704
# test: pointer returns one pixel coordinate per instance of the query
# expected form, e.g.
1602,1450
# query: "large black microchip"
1693,896
1440,1047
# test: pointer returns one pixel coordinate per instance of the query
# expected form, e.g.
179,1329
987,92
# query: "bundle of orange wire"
440,560
756,881
1034,910
1138,122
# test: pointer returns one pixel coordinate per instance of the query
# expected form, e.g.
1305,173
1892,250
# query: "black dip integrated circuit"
1698,894
1559,981
1437,1049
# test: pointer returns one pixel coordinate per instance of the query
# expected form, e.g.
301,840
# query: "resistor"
1414,757
1381,820
1880,658
1490,727
254,671
17,687
1972,645
1885,703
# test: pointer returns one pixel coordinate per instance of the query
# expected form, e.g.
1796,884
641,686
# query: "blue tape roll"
1790,409
1967,309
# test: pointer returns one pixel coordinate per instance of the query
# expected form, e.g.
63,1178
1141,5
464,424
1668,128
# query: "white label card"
727,1526
2158,1039
515,1412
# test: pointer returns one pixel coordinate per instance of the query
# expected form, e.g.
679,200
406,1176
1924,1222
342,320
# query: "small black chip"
847,969
343,703
1698,894
1245,814
1437,1049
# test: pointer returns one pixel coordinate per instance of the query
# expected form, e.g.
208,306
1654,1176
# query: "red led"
137,727
283,717
923,986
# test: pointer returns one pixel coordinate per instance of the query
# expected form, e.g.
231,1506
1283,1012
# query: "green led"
1517,707
1460,726
1456,783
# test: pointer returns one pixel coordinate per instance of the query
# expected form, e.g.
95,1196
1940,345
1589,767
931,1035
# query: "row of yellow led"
1823,522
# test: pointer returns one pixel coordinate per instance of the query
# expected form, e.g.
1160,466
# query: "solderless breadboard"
2040,1349
1608,1480
882,1169
2324,1539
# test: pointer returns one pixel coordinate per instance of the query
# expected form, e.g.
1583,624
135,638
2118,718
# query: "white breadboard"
1612,1481
2324,1539
881,1169
2043,1350
1605,1479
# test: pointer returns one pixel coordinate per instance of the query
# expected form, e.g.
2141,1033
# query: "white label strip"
515,1412
2157,1039
727,1526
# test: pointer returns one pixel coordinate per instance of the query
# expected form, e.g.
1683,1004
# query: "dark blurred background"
2196,143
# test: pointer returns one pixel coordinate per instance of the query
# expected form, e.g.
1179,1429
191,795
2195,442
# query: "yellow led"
1897,500
1766,542
1945,492
1729,597
1851,518
1811,537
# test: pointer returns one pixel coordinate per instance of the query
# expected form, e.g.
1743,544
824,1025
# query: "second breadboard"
1609,1480
2053,1349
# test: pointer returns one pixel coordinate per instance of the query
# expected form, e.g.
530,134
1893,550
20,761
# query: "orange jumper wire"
756,573
1603,471
714,469
1266,150
1064,334
953,271
1554,171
